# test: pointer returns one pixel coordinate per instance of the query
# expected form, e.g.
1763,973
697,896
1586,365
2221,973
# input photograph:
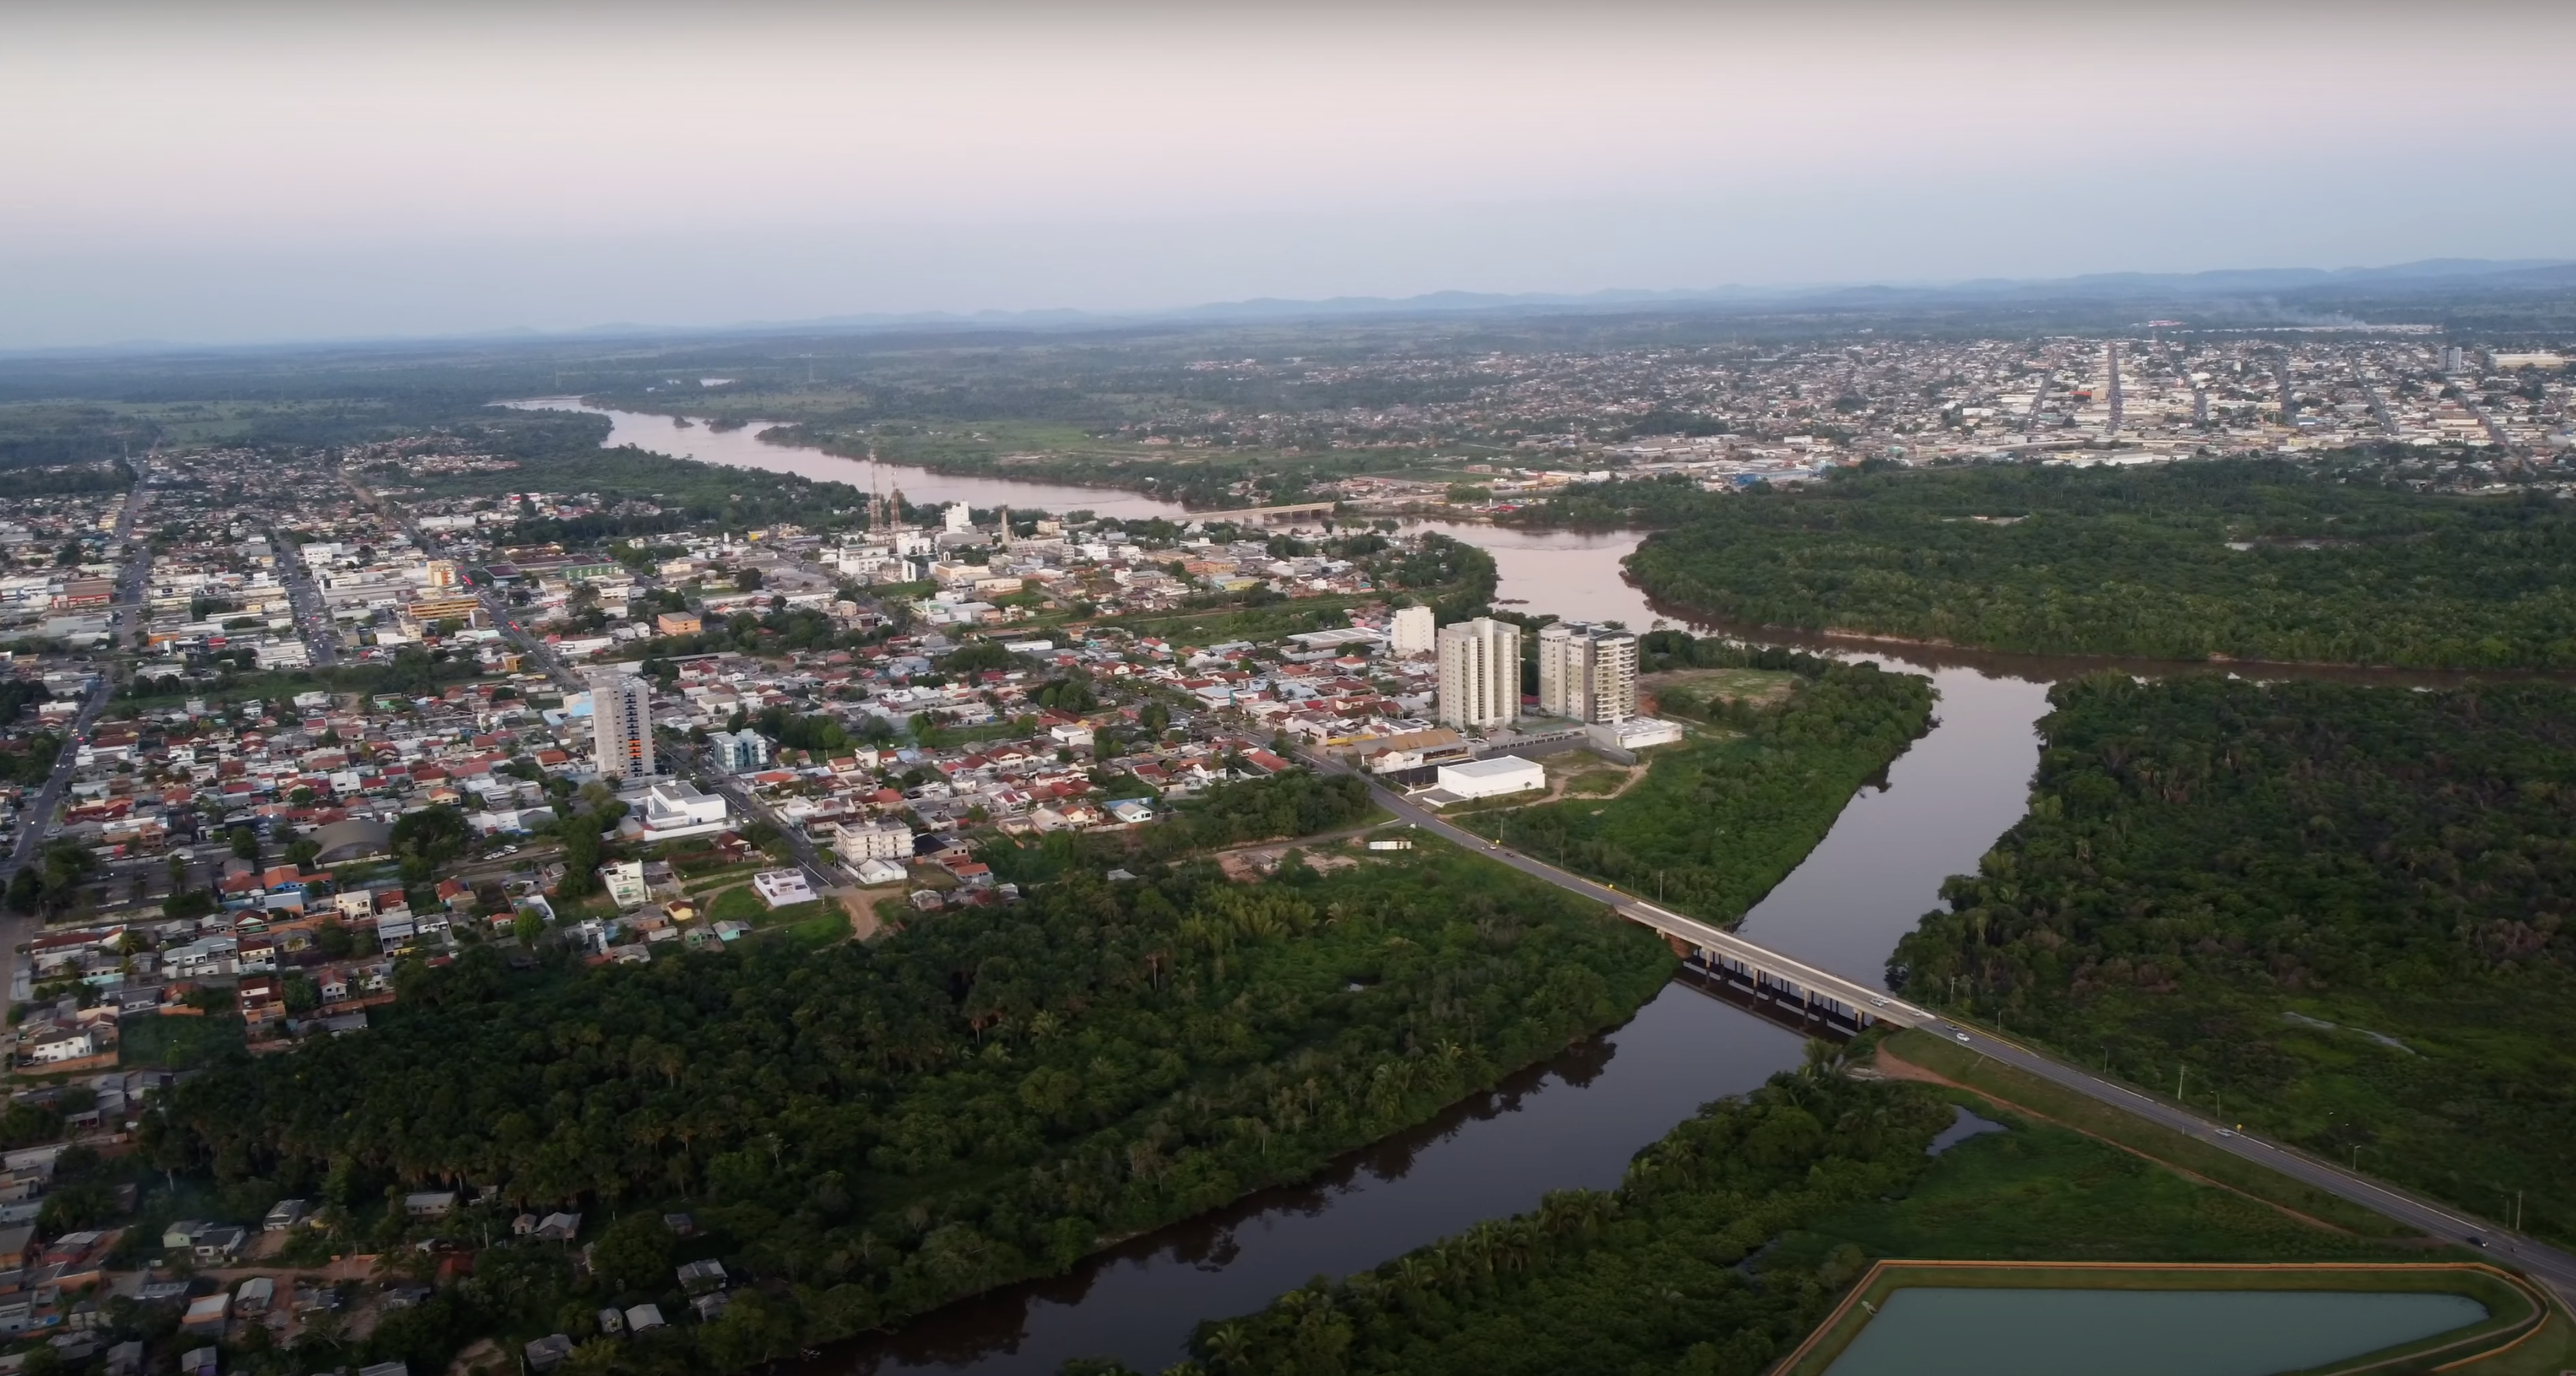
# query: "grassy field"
1748,685
1967,1067
2514,1311
1225,624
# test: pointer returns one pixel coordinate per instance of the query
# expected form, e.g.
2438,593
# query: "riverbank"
1729,1240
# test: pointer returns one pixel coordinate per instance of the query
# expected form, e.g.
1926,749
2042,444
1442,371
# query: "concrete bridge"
1776,983
1266,513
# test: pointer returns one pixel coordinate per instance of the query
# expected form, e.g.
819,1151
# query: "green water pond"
1935,1331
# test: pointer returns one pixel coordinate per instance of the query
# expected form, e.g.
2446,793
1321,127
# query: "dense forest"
2248,560
2338,913
1721,819
1731,1237
869,1131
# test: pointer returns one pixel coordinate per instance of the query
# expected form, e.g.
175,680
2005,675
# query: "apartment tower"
1480,673
621,715
1411,631
1587,672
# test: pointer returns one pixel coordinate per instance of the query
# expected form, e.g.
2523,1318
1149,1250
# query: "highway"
2555,1268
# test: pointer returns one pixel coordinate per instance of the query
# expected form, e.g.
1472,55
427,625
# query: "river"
1573,1122
743,448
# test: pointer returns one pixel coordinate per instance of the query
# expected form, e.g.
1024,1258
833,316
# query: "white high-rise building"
1412,631
621,718
959,520
1480,673
1587,672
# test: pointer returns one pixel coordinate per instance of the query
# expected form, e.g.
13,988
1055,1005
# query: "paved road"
1859,997
2545,1263
312,616
36,818
821,873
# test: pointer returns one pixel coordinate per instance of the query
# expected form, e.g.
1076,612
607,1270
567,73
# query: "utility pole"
2179,1072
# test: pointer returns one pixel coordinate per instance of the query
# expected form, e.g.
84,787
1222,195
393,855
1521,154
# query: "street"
2548,1264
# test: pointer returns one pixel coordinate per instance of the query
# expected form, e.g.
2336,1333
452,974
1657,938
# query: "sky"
262,172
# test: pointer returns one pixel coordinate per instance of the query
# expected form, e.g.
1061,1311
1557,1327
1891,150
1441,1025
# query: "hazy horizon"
284,172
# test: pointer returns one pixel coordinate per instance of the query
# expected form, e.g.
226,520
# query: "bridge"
1781,987
1266,513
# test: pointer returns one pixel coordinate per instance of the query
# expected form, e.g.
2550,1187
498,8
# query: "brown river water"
1570,1123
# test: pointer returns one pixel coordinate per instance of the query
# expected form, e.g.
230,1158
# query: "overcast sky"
224,172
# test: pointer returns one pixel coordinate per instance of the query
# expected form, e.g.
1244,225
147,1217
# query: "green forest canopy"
1731,1237
871,1131
2343,908
2244,559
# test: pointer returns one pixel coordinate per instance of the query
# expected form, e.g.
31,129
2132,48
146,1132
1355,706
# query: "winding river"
1573,1122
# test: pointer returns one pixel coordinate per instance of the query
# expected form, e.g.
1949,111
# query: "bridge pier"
1776,990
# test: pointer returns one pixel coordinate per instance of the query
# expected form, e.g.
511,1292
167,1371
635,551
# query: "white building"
1480,673
1412,632
625,881
1487,778
958,520
883,839
670,810
621,710
67,1044
877,872
1634,733
780,888
738,751
1586,672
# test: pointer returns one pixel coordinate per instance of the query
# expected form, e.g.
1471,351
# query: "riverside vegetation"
2336,912
1731,1237
864,1133
1721,819
2248,560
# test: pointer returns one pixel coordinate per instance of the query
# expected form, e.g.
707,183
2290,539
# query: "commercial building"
673,809
1487,778
621,710
738,751
1587,672
1412,632
1480,674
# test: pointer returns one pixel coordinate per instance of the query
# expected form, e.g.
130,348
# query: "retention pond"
1928,1331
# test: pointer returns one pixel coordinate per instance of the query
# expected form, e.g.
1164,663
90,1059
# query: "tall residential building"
621,717
738,751
1480,673
1587,672
1412,632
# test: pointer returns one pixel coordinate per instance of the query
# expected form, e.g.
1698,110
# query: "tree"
435,834
528,926
245,843
635,1253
